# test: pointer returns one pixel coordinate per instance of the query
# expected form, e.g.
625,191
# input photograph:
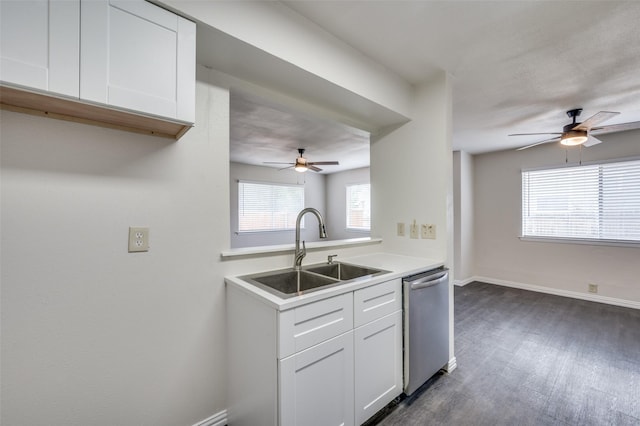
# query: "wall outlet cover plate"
138,239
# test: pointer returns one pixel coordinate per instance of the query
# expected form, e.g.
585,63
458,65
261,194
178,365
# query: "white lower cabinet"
335,361
378,365
316,385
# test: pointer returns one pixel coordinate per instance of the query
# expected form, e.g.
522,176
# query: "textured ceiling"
262,130
517,66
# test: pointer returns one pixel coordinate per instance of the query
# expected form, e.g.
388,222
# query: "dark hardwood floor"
527,358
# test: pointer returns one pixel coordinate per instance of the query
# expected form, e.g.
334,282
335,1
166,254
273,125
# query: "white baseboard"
453,363
559,292
462,283
218,419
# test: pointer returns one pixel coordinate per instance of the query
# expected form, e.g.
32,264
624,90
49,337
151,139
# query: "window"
359,207
268,207
594,202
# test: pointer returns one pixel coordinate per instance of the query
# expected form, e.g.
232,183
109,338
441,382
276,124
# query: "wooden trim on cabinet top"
78,111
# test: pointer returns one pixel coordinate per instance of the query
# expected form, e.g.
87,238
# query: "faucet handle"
330,258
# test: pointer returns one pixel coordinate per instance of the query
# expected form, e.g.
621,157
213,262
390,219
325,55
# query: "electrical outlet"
593,288
428,231
138,239
400,229
413,230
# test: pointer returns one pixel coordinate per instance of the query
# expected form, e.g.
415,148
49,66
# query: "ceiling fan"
582,133
302,164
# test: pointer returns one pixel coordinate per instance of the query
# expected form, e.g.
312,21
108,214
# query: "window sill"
583,241
290,248
360,231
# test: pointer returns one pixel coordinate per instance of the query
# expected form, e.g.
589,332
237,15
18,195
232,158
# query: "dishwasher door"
426,326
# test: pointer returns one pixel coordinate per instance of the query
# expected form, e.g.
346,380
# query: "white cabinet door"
39,44
378,365
138,56
316,385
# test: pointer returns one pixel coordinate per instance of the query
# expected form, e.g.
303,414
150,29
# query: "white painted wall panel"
337,202
92,334
463,216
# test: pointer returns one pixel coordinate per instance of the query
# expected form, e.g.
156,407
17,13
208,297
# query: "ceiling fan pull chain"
581,155
566,155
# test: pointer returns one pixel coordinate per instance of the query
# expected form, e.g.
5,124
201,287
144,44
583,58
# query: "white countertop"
397,265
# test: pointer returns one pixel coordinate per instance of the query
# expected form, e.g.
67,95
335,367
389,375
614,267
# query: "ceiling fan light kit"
574,137
301,165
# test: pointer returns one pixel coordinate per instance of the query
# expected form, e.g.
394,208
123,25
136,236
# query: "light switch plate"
400,229
138,239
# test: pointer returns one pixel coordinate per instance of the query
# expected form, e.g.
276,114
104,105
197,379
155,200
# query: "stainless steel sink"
344,271
288,283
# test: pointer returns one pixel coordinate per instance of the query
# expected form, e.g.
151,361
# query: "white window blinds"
593,202
268,207
359,207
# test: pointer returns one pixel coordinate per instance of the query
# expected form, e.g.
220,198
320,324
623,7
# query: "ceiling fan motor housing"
570,126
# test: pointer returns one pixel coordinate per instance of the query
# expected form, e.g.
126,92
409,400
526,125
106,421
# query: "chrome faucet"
300,254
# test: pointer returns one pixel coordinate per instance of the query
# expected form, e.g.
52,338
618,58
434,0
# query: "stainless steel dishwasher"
426,326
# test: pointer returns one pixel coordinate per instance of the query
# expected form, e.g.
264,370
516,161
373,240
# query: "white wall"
463,215
499,254
411,175
412,179
92,334
337,202
279,31
314,196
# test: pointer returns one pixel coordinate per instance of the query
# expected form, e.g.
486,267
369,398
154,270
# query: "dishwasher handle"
428,281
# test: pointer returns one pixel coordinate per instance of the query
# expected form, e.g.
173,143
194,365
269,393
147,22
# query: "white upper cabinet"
40,44
138,56
124,64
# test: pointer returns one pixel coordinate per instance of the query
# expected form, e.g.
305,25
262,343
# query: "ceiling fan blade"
592,141
285,168
314,168
616,128
324,163
595,119
539,143
529,134
275,162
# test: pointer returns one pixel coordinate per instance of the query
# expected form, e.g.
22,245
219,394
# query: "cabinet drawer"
307,325
377,301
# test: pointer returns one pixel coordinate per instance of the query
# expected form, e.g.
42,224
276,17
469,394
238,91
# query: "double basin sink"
287,283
